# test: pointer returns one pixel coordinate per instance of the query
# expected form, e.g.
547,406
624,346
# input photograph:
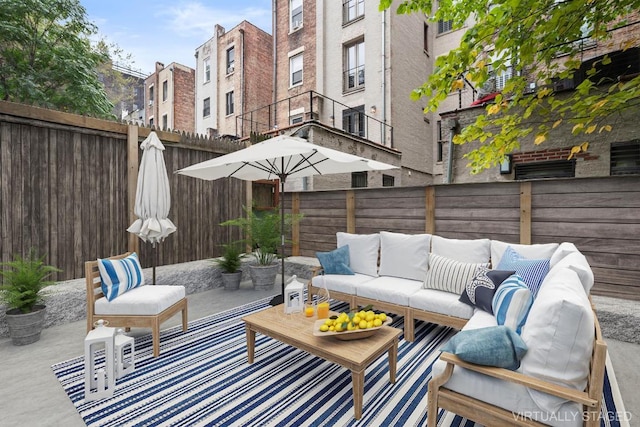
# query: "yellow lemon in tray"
363,324
324,328
377,322
383,317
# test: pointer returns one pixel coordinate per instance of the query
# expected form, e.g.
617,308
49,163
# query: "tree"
541,40
46,57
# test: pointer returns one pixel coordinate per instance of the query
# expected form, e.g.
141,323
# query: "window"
295,67
441,142
388,181
150,121
294,120
295,8
352,9
207,70
425,36
165,90
550,169
151,95
229,98
353,121
231,55
625,157
358,179
445,26
165,122
206,107
354,66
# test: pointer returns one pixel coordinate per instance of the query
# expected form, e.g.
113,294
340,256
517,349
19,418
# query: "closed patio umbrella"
153,198
281,157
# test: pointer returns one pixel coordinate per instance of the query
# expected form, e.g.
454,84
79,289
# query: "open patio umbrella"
281,157
153,198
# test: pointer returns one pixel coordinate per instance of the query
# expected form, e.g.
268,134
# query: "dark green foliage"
231,259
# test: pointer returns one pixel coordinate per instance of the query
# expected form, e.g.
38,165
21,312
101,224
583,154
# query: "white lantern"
99,383
125,354
293,296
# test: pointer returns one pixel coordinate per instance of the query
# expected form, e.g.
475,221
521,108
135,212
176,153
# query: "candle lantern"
99,382
125,354
293,296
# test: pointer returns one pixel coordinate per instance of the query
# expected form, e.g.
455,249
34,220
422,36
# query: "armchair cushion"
466,250
363,251
497,346
335,261
120,275
142,301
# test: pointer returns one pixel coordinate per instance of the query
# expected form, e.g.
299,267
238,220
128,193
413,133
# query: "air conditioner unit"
230,69
563,84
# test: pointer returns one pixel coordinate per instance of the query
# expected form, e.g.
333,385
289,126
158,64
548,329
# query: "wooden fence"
601,216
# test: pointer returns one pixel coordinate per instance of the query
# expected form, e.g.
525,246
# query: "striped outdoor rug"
202,378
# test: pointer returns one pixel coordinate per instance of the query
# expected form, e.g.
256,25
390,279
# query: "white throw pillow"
541,251
449,275
477,250
559,333
404,255
363,251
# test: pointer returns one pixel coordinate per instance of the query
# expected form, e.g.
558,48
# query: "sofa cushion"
394,290
497,346
539,251
532,271
345,283
118,276
404,255
449,275
577,262
144,301
480,290
440,302
477,250
335,261
559,334
512,302
363,251
565,248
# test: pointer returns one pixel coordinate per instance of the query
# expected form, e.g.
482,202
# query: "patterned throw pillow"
449,275
532,271
335,261
480,290
120,275
512,302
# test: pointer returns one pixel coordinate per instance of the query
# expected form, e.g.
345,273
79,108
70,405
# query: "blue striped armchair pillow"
120,275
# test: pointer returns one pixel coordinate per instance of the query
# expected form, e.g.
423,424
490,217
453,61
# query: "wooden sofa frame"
481,412
94,292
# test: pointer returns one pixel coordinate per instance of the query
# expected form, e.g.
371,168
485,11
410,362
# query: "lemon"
362,314
328,322
370,316
350,326
363,324
383,316
356,319
324,328
370,324
377,322
339,328
332,328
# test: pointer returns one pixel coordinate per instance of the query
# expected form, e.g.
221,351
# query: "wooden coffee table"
296,330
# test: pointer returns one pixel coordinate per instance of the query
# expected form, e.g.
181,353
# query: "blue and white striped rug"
202,378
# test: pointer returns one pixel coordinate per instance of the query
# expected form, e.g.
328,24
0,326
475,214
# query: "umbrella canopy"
281,157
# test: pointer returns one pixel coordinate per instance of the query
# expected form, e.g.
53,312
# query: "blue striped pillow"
511,303
120,275
532,271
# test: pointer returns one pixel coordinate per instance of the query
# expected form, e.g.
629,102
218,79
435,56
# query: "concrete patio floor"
30,394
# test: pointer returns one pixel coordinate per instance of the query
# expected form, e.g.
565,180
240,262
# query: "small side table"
99,383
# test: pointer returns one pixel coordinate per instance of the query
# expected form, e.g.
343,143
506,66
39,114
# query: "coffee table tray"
348,335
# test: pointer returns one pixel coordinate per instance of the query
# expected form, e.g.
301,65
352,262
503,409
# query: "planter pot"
263,276
25,328
232,281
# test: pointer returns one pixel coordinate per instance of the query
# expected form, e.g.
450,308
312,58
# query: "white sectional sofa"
422,277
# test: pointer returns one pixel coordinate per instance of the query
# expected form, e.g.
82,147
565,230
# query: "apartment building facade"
170,97
234,74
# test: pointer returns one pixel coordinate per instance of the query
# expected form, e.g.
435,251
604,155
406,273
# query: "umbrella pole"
279,299
155,262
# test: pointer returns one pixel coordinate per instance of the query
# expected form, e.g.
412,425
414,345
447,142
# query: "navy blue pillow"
480,291
336,261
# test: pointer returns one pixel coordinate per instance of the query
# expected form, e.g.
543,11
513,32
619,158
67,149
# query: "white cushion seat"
346,283
144,300
440,302
394,290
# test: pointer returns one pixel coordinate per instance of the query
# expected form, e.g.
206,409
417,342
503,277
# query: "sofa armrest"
519,378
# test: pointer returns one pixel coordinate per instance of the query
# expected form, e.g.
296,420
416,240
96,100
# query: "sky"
169,30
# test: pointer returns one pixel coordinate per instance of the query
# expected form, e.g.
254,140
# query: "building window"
150,121
229,98
295,67
445,26
207,70
206,107
358,179
625,157
425,37
165,90
151,95
550,169
353,121
165,122
295,8
352,9
294,120
353,66
441,141
231,61
388,181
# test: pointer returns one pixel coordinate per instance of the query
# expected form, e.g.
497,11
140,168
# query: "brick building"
170,97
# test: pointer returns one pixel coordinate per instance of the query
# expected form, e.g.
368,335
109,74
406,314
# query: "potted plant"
22,281
262,233
230,263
